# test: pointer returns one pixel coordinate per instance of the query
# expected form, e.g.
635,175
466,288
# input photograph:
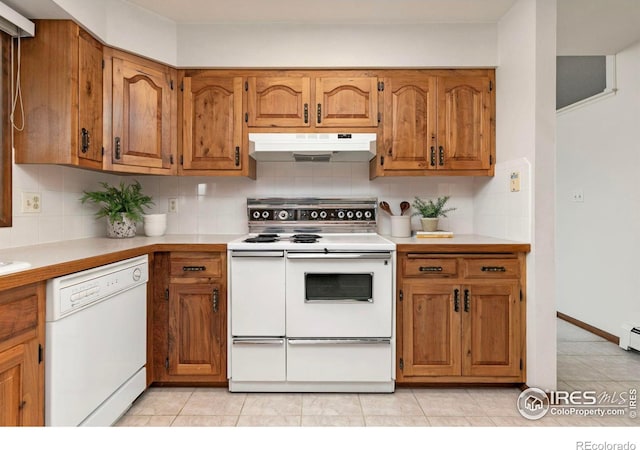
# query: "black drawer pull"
456,300
493,269
467,301
430,268
194,268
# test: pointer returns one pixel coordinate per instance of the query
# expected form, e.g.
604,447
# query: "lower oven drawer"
258,359
363,360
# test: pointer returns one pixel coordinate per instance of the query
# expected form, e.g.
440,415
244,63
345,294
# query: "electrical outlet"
515,181
31,202
173,205
577,196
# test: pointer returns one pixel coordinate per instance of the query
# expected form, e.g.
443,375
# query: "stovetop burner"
263,238
305,238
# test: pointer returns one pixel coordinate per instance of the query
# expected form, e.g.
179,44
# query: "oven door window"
338,287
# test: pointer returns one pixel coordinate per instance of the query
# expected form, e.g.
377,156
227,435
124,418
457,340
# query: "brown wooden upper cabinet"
212,138
309,102
437,124
142,105
62,85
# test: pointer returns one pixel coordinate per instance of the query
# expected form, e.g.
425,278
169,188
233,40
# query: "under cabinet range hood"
317,147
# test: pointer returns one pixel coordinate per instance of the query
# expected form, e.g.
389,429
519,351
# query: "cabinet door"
278,101
346,102
491,329
19,386
409,124
431,329
141,115
197,330
212,123
464,123
90,98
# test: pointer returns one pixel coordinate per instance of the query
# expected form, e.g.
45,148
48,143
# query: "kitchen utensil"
404,207
385,207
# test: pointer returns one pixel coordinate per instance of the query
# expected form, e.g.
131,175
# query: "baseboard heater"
630,338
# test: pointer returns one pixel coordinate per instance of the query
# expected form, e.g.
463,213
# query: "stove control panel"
314,215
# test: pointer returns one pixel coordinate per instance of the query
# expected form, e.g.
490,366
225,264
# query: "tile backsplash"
209,205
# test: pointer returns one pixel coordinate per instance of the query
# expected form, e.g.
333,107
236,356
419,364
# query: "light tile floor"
585,362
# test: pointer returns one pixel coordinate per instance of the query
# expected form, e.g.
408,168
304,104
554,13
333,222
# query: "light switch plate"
31,202
515,181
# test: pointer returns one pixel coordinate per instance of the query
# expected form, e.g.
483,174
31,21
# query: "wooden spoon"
385,207
404,207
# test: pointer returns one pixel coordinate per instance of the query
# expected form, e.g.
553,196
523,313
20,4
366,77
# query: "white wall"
525,86
63,217
126,26
378,45
598,243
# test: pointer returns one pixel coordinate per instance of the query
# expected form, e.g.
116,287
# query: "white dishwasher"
96,343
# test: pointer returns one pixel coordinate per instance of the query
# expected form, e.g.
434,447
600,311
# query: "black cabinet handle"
215,300
117,145
441,155
467,301
493,269
433,156
319,113
306,113
430,269
456,300
237,156
194,268
85,140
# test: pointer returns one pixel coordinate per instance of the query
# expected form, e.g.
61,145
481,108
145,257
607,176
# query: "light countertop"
60,258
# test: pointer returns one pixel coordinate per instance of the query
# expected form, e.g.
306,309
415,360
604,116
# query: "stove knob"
340,214
358,214
255,214
283,215
367,214
314,214
265,214
323,214
349,214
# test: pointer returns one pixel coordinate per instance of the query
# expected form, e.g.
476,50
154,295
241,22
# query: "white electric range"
311,298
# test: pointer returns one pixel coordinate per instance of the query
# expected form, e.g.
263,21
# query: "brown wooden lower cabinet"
189,318
21,356
460,318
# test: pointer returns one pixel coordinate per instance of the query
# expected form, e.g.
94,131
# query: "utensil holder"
401,226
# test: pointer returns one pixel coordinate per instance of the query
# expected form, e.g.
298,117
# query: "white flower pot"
429,223
123,228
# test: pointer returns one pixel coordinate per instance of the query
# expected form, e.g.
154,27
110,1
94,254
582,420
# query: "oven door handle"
341,301
339,255
362,341
258,341
256,254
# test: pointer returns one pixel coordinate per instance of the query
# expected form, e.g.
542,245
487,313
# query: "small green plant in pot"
122,206
431,211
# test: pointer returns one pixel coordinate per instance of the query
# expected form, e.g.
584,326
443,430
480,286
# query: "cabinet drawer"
491,268
196,265
430,267
18,315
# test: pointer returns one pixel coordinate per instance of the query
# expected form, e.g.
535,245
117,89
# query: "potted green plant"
431,211
122,206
